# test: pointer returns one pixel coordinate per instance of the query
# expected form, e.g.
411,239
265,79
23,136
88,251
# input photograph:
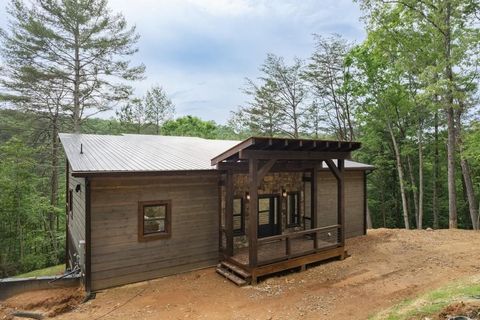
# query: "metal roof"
91,153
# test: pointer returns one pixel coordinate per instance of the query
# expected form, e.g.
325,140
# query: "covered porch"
268,205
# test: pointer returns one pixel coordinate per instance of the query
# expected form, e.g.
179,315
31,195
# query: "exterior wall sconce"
78,187
247,195
284,193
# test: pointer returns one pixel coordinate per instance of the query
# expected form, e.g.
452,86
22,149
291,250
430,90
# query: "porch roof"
282,148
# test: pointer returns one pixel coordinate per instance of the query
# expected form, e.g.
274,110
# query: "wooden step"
236,269
230,276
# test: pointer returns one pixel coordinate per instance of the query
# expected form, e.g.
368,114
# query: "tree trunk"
420,177
452,192
435,175
369,219
76,84
467,178
400,177
413,184
54,174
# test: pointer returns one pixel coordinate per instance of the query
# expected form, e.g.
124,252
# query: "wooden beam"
230,152
333,168
341,200
264,170
292,155
229,212
253,213
314,196
221,184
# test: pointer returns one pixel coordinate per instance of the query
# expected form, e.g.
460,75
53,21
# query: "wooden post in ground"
341,199
229,212
253,213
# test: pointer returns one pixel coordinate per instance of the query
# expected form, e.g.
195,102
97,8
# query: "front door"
268,220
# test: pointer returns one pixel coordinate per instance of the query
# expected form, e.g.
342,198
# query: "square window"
154,220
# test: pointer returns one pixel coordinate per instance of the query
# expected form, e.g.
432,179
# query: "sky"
201,51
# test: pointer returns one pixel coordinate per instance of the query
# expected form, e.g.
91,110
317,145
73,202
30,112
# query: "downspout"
88,242
67,215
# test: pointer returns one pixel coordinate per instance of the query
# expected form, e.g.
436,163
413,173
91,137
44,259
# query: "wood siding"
354,197
76,218
117,255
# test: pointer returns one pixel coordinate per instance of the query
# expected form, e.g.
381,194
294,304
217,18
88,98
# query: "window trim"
168,220
241,231
298,215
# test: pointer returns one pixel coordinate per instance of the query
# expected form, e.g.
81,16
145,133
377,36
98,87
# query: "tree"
133,115
158,107
192,127
329,75
80,44
278,101
316,117
23,208
452,26
263,115
290,91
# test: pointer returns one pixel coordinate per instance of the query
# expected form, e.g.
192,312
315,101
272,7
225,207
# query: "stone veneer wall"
273,183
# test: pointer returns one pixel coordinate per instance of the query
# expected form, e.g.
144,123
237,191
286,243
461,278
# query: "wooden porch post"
229,212
341,199
253,212
314,196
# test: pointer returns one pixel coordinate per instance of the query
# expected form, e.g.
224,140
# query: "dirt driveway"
386,267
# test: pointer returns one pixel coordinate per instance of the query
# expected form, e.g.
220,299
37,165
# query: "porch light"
247,195
284,193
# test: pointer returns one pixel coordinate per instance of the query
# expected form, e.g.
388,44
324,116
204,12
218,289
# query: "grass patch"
432,302
50,271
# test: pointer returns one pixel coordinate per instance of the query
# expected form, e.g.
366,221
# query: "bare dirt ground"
385,267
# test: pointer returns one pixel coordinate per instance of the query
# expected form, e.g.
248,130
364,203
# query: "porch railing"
291,245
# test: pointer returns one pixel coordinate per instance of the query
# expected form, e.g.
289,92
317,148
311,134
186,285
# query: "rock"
429,229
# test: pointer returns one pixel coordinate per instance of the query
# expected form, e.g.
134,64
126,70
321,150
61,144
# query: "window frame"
298,218
241,231
141,221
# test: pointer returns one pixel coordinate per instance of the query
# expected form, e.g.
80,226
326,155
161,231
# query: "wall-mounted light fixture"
284,193
247,195
78,187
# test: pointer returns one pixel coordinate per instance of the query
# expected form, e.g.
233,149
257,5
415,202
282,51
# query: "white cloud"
201,50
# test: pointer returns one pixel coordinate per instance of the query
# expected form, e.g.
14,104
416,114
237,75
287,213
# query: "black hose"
75,270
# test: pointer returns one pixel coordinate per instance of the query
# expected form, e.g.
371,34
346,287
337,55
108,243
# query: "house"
141,207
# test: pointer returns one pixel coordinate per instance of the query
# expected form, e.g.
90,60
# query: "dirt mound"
466,309
48,303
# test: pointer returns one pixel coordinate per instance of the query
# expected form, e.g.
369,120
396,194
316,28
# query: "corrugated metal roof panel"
107,153
131,153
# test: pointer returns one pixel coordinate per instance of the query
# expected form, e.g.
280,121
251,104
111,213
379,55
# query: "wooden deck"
281,252
276,250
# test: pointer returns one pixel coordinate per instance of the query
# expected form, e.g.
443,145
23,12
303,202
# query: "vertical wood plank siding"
117,255
76,219
354,201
